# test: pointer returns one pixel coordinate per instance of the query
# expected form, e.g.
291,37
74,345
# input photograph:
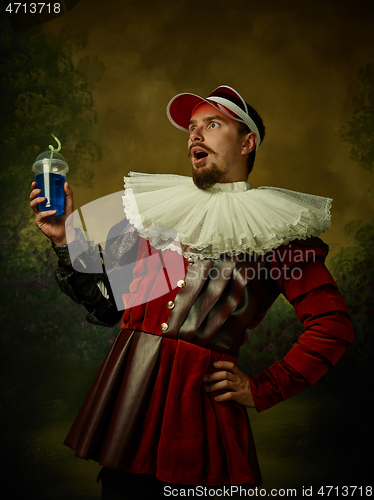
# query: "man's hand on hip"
230,378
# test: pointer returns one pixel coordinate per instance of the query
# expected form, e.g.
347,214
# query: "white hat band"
238,111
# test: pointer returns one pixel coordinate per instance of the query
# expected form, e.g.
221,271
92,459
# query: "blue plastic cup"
50,178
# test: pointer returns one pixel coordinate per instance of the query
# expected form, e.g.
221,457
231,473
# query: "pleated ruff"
148,412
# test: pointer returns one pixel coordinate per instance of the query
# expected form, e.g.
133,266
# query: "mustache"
204,148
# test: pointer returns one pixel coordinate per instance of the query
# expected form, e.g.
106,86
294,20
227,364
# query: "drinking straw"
52,148
47,170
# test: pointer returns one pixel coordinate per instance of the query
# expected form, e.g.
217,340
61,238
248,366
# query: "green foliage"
43,92
353,270
44,334
45,338
271,339
48,351
359,130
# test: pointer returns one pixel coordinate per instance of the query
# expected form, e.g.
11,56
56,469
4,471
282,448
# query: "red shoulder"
300,266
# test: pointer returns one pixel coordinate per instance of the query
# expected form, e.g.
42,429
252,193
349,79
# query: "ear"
249,143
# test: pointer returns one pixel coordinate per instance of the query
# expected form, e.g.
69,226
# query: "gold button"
190,260
181,283
164,327
170,304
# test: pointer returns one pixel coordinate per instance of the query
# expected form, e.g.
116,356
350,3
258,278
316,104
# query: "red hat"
224,98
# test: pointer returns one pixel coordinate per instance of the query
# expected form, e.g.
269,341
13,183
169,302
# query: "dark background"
99,76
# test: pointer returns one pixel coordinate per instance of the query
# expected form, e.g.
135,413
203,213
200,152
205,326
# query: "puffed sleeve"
97,279
308,285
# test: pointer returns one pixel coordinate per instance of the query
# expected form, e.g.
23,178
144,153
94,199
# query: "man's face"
217,150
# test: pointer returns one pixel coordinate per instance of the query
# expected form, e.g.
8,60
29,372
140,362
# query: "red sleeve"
327,331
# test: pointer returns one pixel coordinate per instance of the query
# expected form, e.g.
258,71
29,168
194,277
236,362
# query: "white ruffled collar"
229,218
231,187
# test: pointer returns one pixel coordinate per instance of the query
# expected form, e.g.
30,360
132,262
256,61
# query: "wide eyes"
211,125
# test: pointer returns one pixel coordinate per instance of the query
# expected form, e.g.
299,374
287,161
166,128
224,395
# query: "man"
169,403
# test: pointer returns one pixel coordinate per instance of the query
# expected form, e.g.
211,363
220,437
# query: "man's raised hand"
52,227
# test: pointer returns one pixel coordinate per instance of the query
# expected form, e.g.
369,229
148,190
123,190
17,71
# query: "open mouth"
199,155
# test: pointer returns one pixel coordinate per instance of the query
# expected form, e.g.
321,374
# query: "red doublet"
148,412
